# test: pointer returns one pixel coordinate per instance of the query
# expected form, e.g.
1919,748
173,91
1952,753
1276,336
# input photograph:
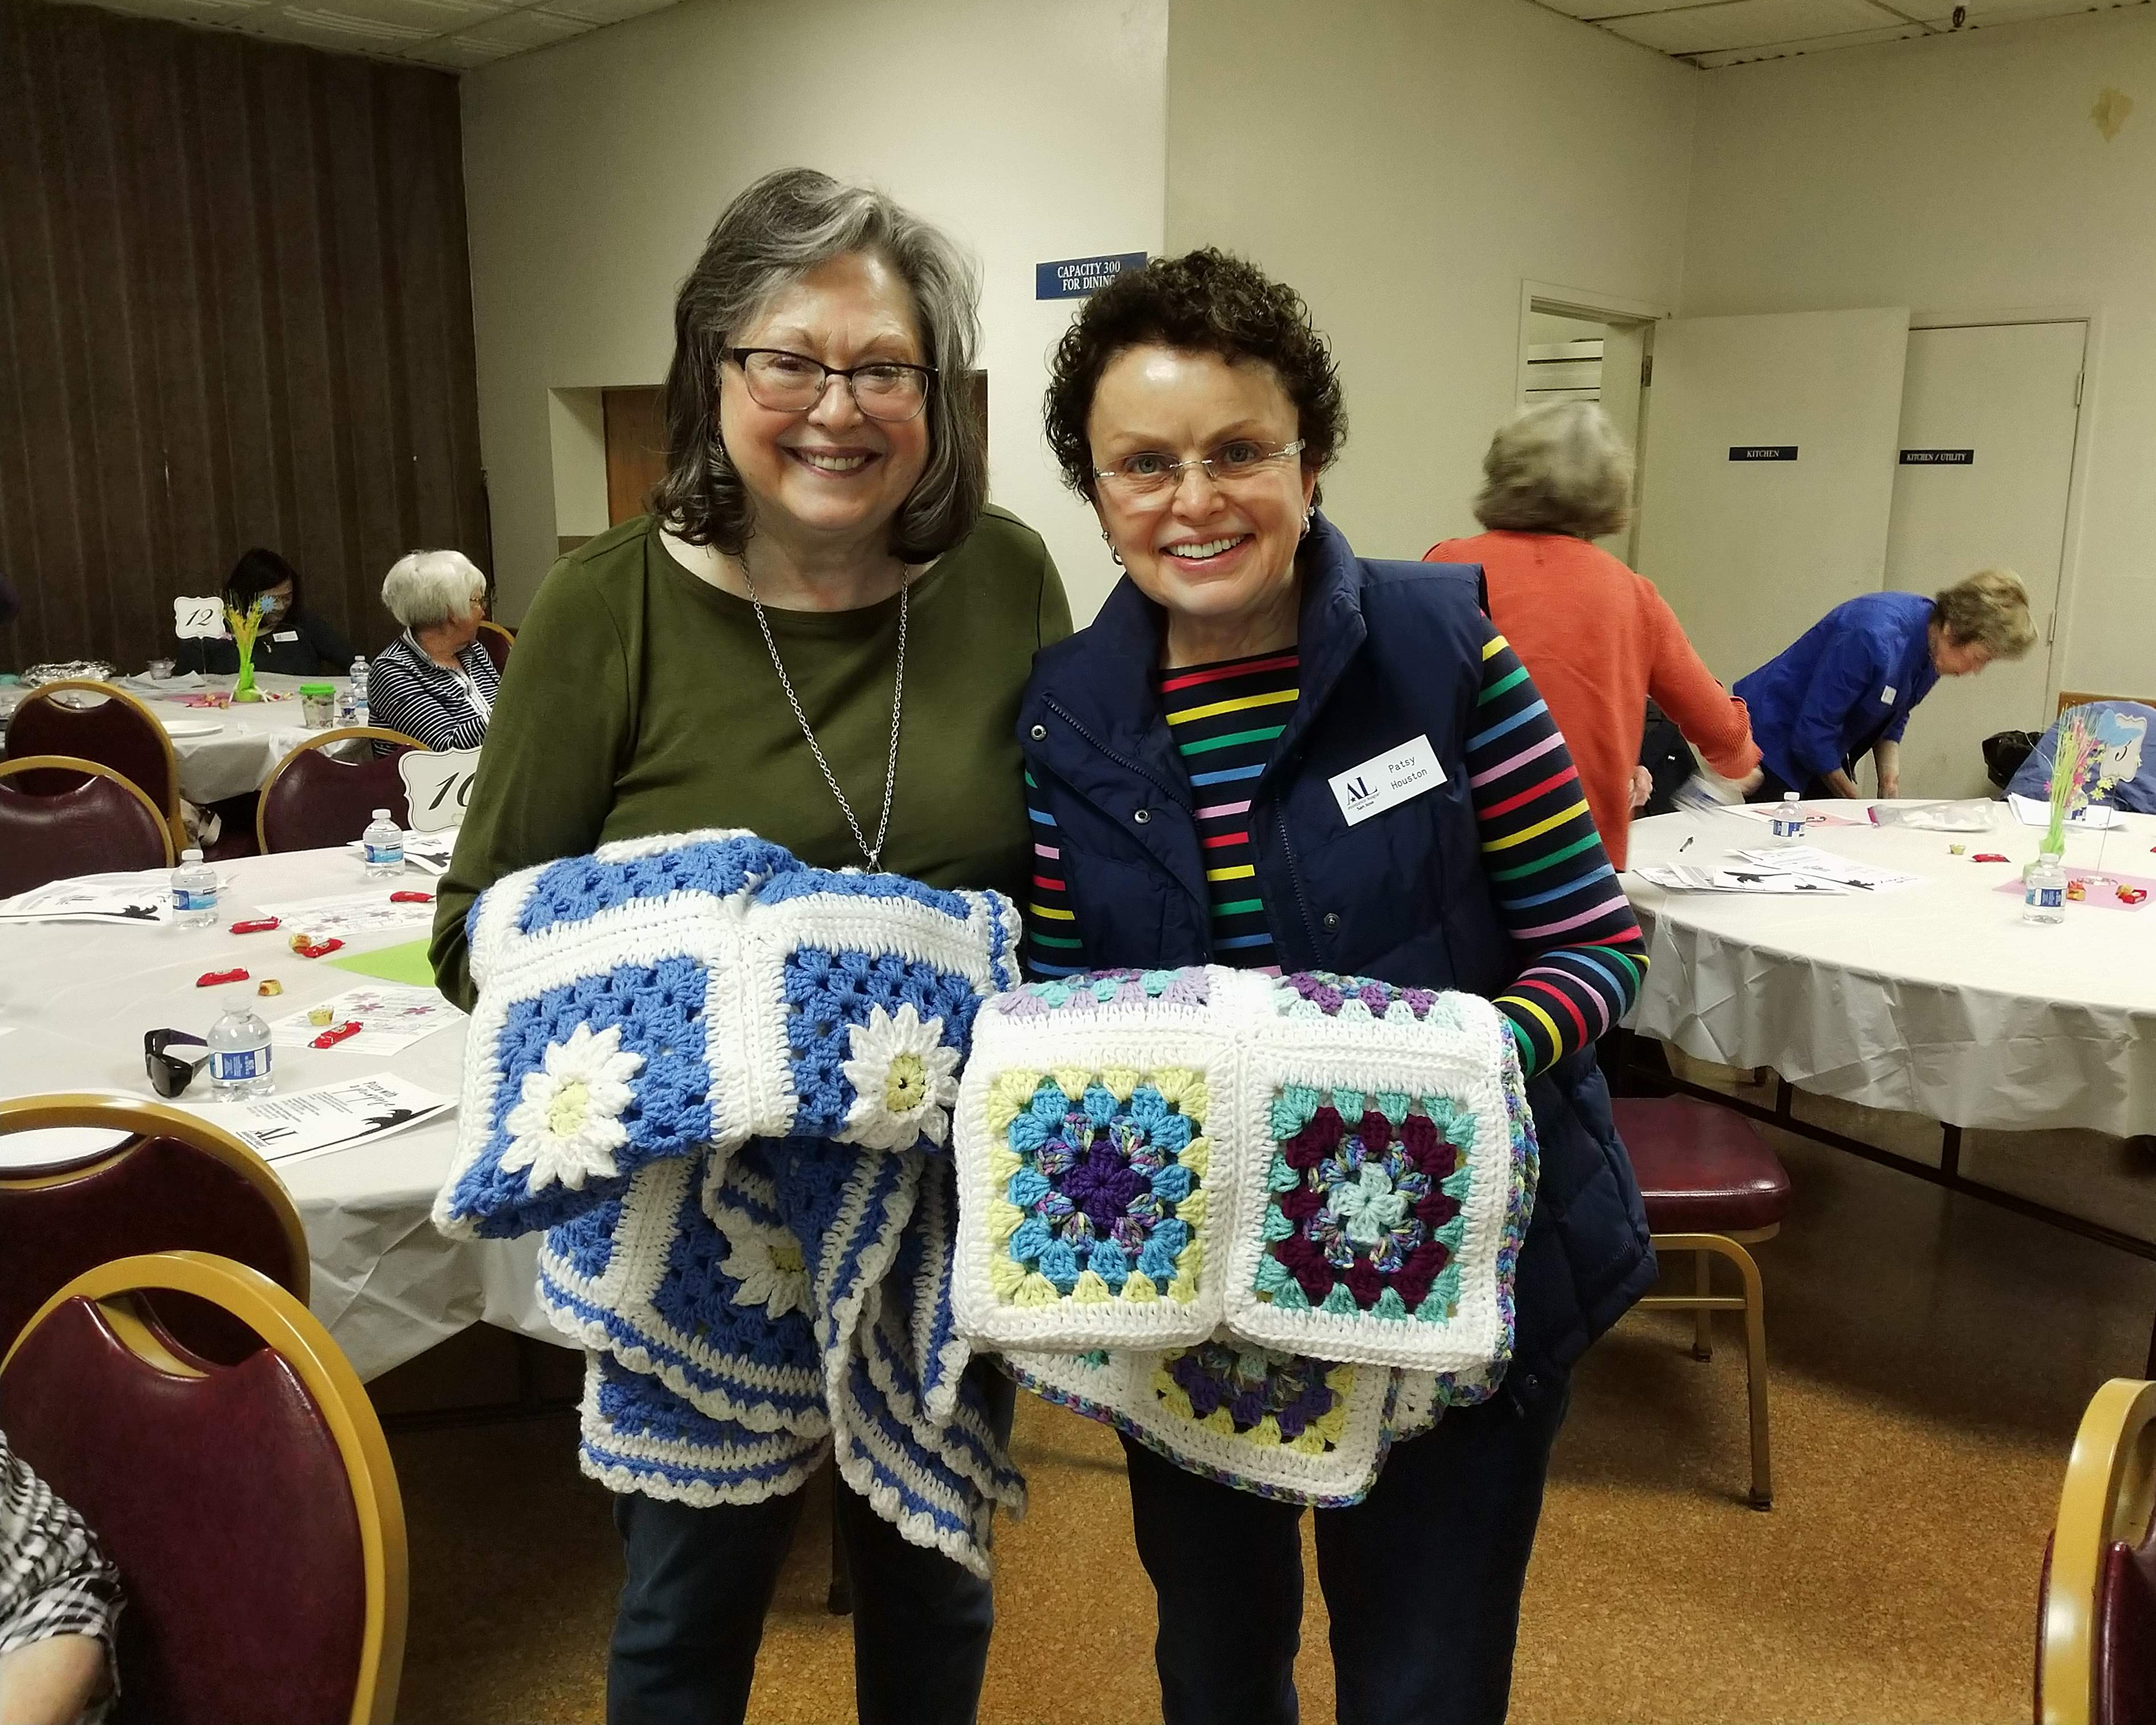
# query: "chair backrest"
251,1509
98,721
496,641
2096,1650
103,822
2076,697
311,801
176,1182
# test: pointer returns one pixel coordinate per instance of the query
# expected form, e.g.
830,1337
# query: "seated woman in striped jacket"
435,681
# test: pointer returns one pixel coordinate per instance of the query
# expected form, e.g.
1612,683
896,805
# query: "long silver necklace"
874,852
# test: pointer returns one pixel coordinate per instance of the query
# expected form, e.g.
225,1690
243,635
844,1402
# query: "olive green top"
640,700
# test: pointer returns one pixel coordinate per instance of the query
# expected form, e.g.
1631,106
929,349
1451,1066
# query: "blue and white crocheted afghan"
1265,1224
720,1080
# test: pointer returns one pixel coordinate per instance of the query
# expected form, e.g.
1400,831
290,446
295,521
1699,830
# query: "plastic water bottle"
2044,891
1788,821
359,691
384,840
240,1055
194,891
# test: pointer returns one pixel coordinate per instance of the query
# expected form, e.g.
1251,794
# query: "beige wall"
1965,176
594,170
1407,165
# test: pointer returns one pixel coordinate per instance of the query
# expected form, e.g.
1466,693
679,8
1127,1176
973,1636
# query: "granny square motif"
1085,1145
1304,1430
1323,1166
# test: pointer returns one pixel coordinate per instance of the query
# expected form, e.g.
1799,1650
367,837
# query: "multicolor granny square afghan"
720,1080
1324,1166
1266,1226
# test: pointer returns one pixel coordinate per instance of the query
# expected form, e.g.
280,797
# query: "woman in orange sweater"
1596,638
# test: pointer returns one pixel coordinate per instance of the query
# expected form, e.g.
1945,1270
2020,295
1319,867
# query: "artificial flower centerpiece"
2078,775
245,625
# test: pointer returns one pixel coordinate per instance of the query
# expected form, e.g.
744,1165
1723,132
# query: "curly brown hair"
1205,301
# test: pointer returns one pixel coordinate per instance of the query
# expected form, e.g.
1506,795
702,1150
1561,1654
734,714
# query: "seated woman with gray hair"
1597,639
435,681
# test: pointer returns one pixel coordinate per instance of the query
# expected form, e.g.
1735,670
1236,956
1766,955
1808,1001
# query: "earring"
1304,533
1114,556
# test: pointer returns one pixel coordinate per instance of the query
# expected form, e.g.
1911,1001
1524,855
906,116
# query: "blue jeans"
699,1580
1421,1579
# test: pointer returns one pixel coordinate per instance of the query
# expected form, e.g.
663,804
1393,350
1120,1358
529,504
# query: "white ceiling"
1727,33
455,34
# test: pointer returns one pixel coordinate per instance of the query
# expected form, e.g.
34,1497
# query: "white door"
1988,421
1767,471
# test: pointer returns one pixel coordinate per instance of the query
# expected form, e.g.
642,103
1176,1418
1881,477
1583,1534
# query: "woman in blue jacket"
1847,687
1267,752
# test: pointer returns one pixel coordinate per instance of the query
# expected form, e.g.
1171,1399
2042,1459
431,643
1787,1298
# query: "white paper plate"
190,727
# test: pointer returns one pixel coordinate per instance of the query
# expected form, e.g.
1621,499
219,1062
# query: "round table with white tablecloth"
76,997
230,750
1936,998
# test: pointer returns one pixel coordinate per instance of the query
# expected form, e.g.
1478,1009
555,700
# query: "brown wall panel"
235,310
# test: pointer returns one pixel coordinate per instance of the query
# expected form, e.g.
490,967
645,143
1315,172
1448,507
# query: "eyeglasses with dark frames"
788,383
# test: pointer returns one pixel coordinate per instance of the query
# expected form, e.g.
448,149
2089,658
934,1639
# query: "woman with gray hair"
435,681
819,632
1597,639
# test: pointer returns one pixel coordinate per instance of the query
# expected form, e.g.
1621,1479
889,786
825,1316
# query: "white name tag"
1886,695
1387,780
285,635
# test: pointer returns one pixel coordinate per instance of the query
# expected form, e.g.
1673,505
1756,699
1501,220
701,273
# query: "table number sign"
438,784
199,620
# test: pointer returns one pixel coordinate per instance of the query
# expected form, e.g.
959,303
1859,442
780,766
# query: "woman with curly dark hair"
1267,752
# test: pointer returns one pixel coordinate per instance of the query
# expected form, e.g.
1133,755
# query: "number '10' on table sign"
438,785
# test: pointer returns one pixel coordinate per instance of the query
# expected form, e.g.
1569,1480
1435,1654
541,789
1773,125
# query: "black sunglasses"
169,1074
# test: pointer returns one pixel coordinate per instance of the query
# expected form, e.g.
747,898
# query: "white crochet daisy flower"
568,1125
901,1075
767,1263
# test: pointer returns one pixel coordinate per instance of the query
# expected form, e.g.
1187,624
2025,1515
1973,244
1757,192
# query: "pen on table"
1685,846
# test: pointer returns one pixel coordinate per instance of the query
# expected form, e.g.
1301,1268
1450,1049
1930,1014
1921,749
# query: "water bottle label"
2045,898
382,853
185,899
236,1066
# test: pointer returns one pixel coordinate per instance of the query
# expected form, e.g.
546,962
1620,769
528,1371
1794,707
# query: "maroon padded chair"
496,641
100,823
96,721
1712,1187
312,801
2095,1605
175,1182
250,1507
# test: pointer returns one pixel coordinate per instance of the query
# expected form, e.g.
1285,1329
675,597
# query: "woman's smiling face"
831,469
1200,549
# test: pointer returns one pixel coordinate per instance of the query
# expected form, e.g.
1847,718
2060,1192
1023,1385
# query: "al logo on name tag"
1386,780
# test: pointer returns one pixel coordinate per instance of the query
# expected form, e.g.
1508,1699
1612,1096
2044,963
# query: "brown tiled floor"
1931,1357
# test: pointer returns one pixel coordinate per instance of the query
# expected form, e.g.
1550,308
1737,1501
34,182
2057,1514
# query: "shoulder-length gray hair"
776,232
1560,468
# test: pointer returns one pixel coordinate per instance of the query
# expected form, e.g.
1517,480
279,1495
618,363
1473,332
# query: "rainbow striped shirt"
1581,952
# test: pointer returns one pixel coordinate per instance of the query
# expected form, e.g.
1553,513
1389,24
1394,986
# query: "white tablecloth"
249,741
1936,999
74,1000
